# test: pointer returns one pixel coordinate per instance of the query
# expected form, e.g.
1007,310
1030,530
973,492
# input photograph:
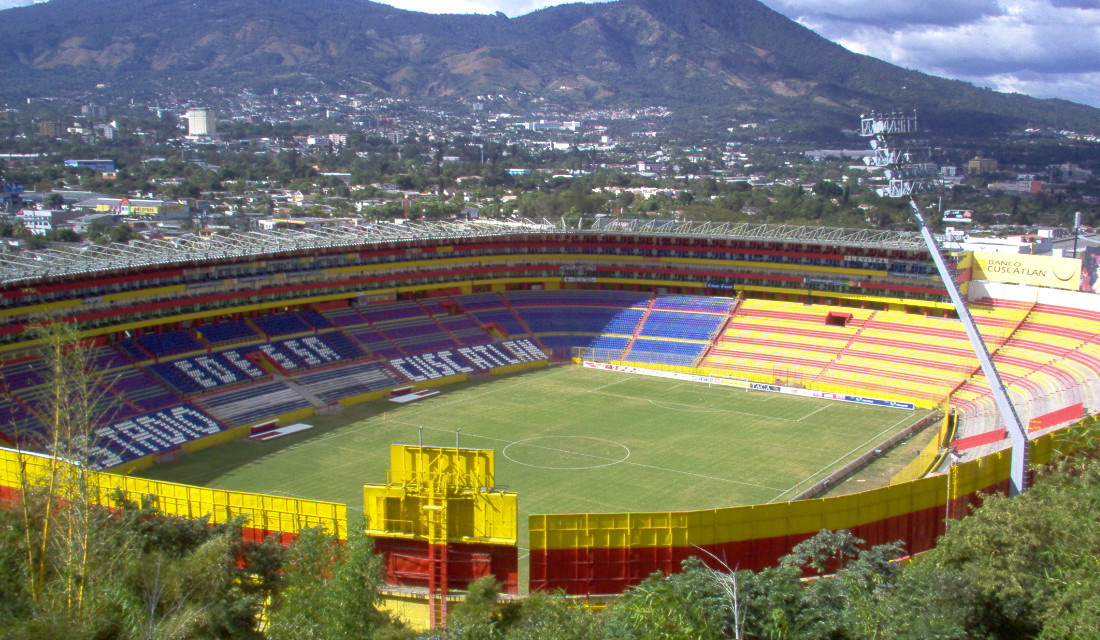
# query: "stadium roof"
59,262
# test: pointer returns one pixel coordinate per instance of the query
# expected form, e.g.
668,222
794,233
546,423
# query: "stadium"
733,373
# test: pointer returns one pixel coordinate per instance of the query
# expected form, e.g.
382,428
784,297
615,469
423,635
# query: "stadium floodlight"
910,171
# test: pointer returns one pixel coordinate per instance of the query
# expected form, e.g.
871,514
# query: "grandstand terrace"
197,341
178,319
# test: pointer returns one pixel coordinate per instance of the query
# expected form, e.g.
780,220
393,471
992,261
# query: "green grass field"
570,440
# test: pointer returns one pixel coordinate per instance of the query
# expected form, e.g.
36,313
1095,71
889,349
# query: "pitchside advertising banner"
672,375
1036,271
826,395
745,384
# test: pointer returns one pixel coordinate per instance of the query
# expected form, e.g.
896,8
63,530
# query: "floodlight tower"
908,172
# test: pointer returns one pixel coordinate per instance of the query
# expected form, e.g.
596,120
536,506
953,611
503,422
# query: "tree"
72,568
682,606
330,590
1017,567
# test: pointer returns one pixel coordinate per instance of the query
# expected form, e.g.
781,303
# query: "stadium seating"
18,423
200,374
132,349
150,433
785,340
227,332
170,343
681,325
343,382
315,319
253,404
694,303
674,352
1051,359
21,374
135,387
282,324
105,358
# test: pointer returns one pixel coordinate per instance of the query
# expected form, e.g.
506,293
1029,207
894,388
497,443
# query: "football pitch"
570,440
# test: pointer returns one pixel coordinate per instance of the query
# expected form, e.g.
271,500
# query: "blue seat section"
170,343
105,358
618,299
315,319
281,324
343,317
107,407
694,303
655,350
504,318
686,326
253,404
387,312
296,354
605,348
130,348
150,433
465,330
624,322
342,345
419,338
354,379
19,424
477,301
228,331
561,344
20,375
373,342
200,374
138,388
362,334
593,320
410,326
448,362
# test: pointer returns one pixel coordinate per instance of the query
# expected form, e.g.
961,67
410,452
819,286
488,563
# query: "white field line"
694,408
382,419
858,447
609,384
719,391
630,462
814,411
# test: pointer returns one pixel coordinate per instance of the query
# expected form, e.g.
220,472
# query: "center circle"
567,453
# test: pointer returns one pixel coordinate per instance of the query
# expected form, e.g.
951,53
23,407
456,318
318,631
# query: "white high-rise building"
200,123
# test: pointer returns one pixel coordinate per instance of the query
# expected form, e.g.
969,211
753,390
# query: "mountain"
723,59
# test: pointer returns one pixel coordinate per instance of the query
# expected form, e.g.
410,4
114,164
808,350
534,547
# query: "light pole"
909,171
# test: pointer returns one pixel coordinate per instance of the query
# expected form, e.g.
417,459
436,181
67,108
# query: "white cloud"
1044,48
8,4
886,12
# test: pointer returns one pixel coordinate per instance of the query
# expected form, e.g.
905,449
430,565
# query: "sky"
1043,48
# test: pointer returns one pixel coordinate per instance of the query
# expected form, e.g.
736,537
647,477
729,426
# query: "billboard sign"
1036,271
958,215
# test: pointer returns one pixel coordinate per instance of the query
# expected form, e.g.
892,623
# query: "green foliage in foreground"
1026,567
134,573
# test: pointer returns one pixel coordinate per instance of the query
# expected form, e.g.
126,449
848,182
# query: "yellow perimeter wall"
609,552
265,513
